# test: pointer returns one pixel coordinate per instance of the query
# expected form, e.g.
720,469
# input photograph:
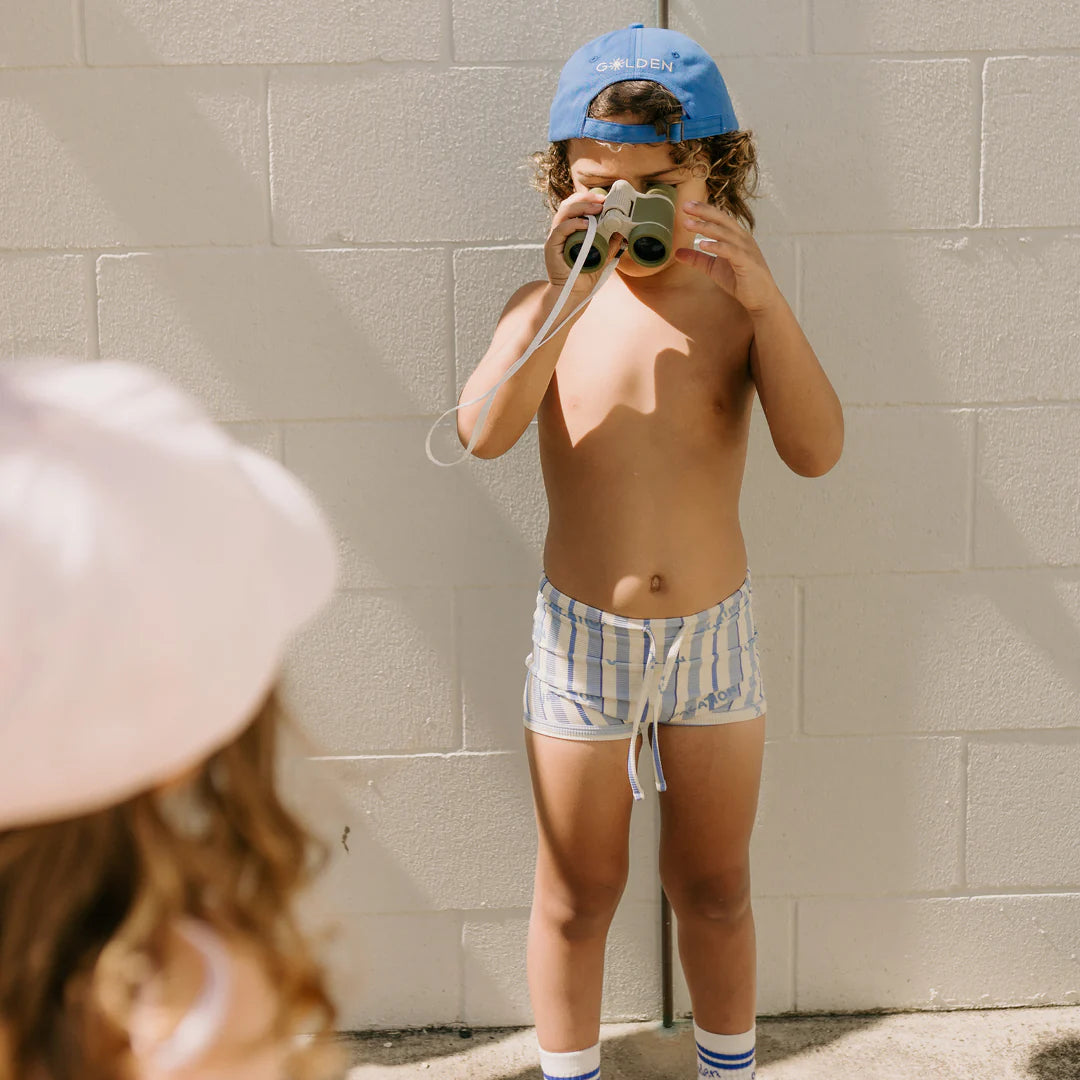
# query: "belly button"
657,583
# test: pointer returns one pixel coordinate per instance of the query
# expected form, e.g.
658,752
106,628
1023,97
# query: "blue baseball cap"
664,56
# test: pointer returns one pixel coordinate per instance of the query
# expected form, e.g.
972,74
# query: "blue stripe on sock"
583,1076
725,1061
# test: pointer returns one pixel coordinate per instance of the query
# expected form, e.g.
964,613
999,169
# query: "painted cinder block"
46,302
375,674
420,833
972,318
774,619
98,158
38,35
480,523
1025,99
1022,826
495,974
260,32
858,815
486,31
774,922
937,953
262,437
843,142
285,334
459,174
484,280
494,637
489,32
393,971
768,28
942,652
858,26
1027,495
866,514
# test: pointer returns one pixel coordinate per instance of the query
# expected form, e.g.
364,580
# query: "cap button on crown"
637,26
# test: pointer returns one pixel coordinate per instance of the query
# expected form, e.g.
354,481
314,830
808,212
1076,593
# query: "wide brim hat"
152,571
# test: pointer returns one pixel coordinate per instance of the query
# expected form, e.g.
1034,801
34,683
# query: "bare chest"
681,368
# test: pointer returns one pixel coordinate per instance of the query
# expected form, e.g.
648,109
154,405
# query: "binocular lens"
592,260
648,249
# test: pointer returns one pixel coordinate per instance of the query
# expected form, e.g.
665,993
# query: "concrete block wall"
310,215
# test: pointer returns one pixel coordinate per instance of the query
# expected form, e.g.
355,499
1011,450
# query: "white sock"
725,1057
576,1065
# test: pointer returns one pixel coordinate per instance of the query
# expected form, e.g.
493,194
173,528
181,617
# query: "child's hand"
569,218
730,256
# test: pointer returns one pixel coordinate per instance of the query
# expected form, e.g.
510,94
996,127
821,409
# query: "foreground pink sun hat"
152,571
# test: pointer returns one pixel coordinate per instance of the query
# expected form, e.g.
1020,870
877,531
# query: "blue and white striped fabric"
591,1075
724,1066
596,675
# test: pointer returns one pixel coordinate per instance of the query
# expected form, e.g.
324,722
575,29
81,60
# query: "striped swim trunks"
595,675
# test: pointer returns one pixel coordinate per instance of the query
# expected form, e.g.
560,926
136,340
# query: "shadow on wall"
426,535
223,318
892,349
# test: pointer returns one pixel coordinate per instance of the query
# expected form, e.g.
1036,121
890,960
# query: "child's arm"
518,399
805,418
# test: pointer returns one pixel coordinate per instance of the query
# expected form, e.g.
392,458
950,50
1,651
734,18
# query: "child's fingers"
571,225
576,205
697,259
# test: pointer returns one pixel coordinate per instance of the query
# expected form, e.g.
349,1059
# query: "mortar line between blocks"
93,324
795,955
451,329
980,154
799,651
962,875
446,27
78,26
973,486
456,694
266,148
798,298
461,968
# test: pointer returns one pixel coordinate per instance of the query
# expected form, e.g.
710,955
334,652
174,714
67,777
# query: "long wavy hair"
86,905
728,162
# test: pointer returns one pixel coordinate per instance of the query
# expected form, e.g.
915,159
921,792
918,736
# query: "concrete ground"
987,1044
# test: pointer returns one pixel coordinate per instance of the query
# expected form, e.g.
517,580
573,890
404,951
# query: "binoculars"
646,221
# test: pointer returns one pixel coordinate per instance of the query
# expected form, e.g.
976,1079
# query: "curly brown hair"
729,160
86,905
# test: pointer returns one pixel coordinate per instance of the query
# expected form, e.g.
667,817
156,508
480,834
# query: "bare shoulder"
208,1012
523,294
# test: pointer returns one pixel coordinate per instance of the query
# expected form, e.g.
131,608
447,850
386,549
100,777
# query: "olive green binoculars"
645,220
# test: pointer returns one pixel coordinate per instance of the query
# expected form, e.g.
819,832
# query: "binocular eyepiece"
645,220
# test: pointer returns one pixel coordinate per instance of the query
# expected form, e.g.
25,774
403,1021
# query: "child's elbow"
817,461
485,448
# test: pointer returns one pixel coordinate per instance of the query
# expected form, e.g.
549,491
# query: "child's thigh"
583,802
713,777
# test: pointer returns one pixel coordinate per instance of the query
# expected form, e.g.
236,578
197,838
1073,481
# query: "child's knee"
579,908
721,896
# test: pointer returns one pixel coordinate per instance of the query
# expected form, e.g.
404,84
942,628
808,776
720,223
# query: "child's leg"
583,803
707,815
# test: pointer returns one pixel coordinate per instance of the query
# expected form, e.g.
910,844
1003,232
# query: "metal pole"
662,13
665,959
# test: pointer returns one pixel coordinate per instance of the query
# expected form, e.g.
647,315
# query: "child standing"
643,618
151,573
